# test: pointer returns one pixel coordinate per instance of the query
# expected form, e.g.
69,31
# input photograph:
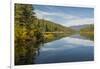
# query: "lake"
67,49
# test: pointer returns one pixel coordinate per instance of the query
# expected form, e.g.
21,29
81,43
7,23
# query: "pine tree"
24,15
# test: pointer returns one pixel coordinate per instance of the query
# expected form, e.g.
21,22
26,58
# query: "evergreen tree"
24,15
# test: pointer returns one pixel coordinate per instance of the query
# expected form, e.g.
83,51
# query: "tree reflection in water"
25,52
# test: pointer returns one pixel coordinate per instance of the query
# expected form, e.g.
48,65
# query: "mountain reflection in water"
67,49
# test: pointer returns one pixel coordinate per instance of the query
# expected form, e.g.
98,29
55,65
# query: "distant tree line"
88,31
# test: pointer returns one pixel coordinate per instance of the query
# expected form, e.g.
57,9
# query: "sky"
64,15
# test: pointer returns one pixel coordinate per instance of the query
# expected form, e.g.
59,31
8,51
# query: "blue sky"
67,16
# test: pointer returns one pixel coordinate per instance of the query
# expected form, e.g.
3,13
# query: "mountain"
80,27
49,26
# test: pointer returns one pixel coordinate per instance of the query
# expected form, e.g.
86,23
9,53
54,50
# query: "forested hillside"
48,26
88,31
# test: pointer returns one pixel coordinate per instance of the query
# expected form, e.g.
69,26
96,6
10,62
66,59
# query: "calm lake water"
67,49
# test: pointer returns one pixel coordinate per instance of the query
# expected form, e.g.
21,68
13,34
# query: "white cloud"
41,14
79,21
67,19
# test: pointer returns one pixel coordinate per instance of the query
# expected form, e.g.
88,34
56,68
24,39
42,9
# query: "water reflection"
25,52
66,49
